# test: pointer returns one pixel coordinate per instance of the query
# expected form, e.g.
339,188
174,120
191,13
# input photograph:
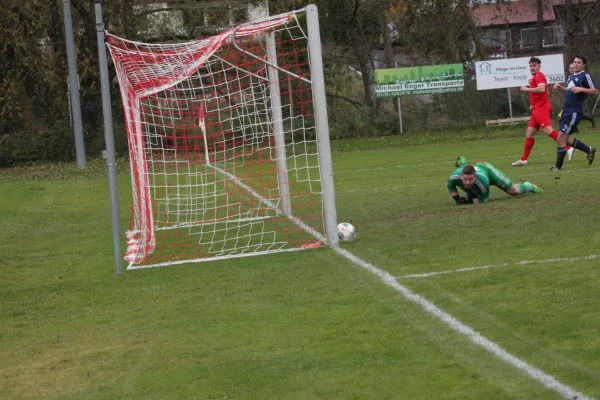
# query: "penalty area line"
415,165
515,264
537,374
432,182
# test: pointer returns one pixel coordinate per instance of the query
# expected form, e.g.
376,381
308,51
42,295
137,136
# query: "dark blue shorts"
569,121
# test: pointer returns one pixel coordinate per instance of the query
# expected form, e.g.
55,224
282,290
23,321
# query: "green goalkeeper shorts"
498,178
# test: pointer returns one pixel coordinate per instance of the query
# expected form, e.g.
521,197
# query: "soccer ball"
346,232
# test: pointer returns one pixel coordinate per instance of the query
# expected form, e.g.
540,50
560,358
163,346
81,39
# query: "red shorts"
541,117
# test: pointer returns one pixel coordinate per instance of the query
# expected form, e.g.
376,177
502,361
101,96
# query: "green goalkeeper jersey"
480,189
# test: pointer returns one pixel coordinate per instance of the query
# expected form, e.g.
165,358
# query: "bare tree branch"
583,19
355,103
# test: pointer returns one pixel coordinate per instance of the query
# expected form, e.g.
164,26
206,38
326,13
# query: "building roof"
516,12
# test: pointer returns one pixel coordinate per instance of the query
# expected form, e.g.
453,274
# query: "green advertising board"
422,80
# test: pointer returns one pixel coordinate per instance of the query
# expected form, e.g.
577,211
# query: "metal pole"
109,139
322,125
74,85
277,120
69,102
595,104
400,114
399,106
510,112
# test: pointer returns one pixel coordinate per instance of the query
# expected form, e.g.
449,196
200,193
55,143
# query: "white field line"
566,171
516,264
535,373
342,171
437,182
414,165
215,258
268,202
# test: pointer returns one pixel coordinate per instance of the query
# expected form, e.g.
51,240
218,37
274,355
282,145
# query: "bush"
53,144
58,142
345,120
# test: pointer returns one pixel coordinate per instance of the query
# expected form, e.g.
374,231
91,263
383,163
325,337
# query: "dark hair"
535,60
581,57
468,170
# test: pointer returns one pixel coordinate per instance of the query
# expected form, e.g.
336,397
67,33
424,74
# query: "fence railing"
553,37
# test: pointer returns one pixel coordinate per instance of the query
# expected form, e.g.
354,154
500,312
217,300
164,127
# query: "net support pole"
109,139
510,110
75,106
595,104
399,106
277,120
322,125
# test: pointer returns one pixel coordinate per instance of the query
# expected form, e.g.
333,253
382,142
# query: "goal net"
228,143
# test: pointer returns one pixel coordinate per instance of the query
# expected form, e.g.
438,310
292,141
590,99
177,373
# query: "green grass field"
312,324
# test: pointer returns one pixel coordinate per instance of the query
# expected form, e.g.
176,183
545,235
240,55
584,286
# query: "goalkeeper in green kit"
475,181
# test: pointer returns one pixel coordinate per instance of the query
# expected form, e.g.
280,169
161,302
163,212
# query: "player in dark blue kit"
580,84
584,116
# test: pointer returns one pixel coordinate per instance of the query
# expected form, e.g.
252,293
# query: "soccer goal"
228,143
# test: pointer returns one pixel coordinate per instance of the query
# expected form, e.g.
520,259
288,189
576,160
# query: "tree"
581,19
28,72
441,30
540,26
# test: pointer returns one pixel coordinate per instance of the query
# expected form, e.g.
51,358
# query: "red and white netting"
222,144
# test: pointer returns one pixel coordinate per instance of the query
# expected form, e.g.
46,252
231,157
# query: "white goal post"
228,143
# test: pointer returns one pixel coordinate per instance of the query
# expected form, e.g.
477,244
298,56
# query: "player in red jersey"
541,110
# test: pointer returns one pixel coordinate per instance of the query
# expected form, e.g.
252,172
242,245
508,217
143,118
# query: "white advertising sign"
514,72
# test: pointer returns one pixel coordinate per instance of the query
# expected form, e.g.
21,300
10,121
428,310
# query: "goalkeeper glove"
461,200
461,161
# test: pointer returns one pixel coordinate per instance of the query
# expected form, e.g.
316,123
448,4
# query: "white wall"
259,11
170,22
